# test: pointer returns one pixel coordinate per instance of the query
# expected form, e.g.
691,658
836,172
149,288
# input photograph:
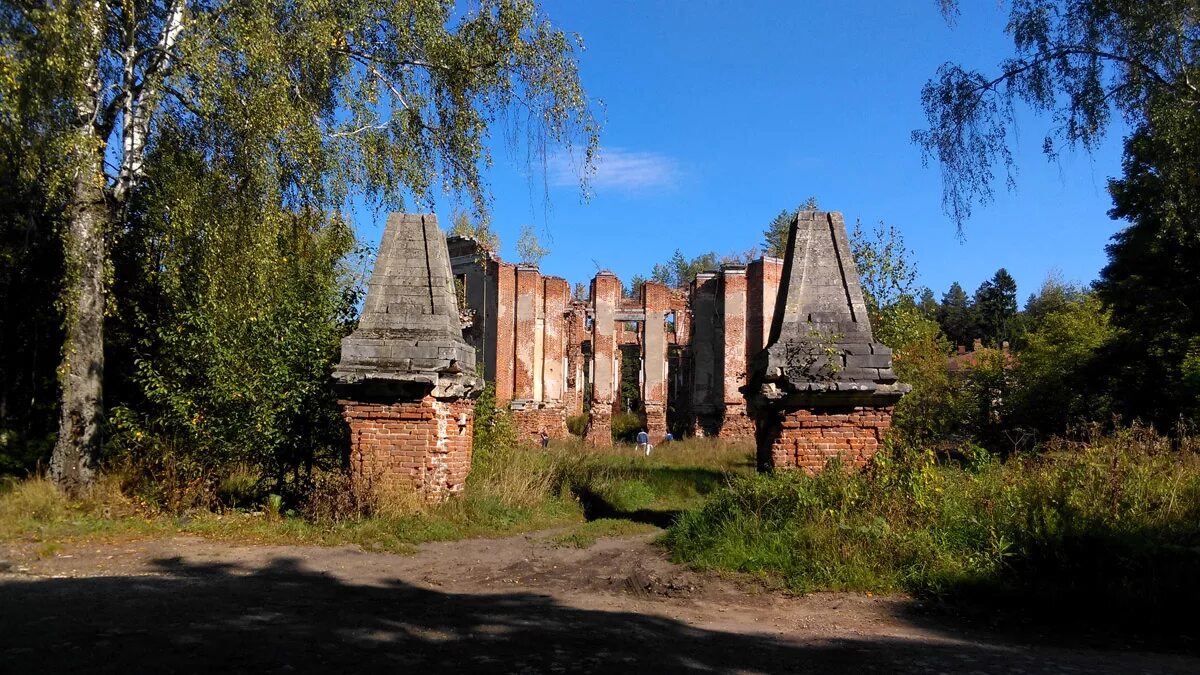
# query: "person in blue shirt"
643,441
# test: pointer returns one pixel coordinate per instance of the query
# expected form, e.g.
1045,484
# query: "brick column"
506,294
547,411
762,289
656,300
706,355
528,298
575,335
736,425
606,289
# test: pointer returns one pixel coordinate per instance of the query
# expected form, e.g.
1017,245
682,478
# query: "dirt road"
516,605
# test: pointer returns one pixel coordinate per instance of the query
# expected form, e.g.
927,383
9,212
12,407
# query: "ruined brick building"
778,351
552,355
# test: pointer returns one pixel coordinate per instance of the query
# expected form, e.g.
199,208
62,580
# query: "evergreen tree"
1152,280
956,317
928,304
776,235
995,308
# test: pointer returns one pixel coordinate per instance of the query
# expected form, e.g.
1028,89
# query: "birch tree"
393,99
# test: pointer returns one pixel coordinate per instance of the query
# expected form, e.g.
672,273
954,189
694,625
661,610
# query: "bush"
577,424
625,427
1112,523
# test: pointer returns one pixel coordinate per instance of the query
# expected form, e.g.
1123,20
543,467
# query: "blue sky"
719,114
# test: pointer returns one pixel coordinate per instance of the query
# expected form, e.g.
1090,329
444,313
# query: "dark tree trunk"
73,463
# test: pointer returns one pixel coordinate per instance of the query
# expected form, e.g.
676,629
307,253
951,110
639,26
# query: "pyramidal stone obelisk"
407,378
822,388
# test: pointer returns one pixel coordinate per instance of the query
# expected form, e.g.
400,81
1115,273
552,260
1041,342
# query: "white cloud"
619,170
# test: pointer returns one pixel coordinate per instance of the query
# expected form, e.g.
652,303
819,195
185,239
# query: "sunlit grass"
512,489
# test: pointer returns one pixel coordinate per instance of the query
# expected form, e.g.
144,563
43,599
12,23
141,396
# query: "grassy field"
587,492
1113,523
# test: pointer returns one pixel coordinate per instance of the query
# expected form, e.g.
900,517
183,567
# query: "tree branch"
141,98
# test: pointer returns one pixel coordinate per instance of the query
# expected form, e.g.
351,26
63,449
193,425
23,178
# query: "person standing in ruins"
545,439
643,440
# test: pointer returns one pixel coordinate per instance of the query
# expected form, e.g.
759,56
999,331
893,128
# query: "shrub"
1111,523
626,426
240,487
577,424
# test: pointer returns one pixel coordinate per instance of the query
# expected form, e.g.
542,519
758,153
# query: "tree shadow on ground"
595,507
282,617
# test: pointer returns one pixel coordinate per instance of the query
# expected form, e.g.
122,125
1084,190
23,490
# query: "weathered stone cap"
821,349
409,338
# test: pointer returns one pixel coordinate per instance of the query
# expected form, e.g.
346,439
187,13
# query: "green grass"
511,489
1111,523
586,534
623,483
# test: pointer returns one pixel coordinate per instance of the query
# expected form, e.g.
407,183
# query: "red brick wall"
606,290
656,302
555,295
736,423
528,298
506,292
575,333
772,273
762,288
599,429
531,421
807,439
417,444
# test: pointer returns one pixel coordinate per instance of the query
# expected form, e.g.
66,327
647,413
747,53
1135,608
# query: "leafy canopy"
1079,61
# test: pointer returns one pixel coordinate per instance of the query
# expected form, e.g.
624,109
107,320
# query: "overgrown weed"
1108,521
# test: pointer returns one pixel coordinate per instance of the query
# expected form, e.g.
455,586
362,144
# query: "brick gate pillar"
406,378
823,388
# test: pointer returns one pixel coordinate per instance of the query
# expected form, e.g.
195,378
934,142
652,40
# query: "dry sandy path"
515,605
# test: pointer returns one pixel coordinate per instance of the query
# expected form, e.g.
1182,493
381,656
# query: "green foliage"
775,237
577,424
933,411
625,427
631,367
1080,61
494,429
478,229
511,489
1152,280
585,535
1101,525
995,308
31,269
1059,374
627,495
529,249
884,264
679,271
928,304
956,317
634,289
213,146
230,317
